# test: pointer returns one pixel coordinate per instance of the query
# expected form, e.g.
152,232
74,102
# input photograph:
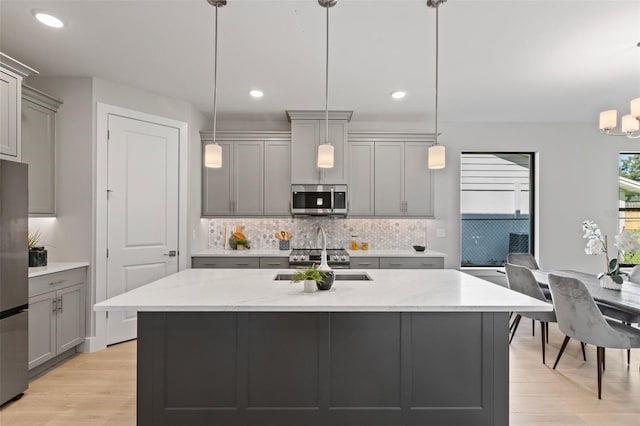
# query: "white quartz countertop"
53,267
395,253
254,290
242,253
285,253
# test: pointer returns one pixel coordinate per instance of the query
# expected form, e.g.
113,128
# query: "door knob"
172,253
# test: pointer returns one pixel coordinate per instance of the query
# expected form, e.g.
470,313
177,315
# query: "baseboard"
45,367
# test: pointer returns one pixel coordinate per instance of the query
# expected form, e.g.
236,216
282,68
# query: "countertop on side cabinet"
242,253
395,253
254,290
53,267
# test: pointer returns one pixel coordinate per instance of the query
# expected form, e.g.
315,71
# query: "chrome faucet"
324,265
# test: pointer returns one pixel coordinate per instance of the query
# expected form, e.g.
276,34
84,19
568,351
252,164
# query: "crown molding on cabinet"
40,98
391,137
318,115
18,67
248,135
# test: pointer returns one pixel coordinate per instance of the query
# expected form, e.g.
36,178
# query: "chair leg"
628,356
547,331
515,326
542,334
533,327
600,352
584,354
562,348
514,322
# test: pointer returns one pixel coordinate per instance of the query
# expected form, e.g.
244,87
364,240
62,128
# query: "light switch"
441,233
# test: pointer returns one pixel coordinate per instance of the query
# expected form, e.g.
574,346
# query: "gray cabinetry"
365,263
10,115
225,262
402,180
254,179
57,305
277,178
411,263
361,179
308,130
38,149
274,262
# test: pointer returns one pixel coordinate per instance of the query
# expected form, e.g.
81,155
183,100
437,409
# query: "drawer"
274,263
411,263
52,282
364,263
225,262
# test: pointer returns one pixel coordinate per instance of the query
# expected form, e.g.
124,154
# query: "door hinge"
107,314
108,134
107,252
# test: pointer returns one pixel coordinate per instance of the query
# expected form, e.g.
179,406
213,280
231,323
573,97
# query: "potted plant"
37,254
238,240
314,279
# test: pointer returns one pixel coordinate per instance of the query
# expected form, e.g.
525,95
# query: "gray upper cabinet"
361,178
308,130
217,185
247,178
38,148
254,179
418,191
12,74
277,178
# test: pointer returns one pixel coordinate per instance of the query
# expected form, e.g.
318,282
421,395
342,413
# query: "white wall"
198,228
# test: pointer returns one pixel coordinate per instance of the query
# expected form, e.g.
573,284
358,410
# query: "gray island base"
234,347
323,368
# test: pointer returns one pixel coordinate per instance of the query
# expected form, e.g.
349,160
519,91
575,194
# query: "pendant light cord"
215,77
437,67
326,90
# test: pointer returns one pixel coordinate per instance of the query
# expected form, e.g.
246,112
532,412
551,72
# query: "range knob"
343,257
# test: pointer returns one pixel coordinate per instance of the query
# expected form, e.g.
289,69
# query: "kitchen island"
234,347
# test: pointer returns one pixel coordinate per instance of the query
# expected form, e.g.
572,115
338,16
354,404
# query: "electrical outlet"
441,233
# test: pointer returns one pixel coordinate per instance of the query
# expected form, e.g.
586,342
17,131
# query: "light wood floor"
99,388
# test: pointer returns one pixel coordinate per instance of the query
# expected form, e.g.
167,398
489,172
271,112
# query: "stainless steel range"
336,258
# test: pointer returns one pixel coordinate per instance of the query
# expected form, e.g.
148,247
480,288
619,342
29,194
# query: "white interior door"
142,211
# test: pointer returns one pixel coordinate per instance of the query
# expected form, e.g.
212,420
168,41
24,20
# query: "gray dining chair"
520,279
579,318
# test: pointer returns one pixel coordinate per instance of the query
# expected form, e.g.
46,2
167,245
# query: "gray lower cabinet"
274,262
411,263
365,263
226,262
38,149
56,314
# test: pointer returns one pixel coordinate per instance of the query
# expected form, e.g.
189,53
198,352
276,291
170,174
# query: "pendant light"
325,150
213,151
436,151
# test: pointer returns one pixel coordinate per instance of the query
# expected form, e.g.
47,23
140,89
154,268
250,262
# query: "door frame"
99,341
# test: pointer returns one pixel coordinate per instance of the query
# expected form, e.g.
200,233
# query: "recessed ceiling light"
399,94
47,19
255,93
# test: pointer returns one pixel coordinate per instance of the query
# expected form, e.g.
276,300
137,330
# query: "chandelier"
629,126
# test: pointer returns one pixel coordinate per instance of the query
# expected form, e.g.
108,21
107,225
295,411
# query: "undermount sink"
342,276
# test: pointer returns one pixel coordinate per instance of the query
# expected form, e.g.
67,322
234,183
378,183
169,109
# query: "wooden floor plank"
100,388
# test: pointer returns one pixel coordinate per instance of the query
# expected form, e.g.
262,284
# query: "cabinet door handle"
54,302
60,304
57,282
273,264
242,264
363,264
406,206
210,264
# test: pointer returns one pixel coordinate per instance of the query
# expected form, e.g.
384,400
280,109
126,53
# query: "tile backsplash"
390,234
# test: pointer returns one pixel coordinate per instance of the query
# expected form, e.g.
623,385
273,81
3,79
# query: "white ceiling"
509,61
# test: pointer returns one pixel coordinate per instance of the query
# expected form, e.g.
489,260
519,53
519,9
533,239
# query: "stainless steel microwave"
319,200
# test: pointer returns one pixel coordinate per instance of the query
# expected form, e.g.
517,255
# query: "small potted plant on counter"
314,279
37,254
238,240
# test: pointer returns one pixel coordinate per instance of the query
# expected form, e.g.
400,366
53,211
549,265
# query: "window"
629,200
496,207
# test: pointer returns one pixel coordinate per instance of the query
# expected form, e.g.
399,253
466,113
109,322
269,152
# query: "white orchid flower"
626,241
594,246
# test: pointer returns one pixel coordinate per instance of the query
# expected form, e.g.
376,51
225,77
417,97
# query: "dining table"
626,300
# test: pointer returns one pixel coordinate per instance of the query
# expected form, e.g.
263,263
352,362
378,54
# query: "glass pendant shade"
635,108
437,157
608,119
325,156
213,156
630,124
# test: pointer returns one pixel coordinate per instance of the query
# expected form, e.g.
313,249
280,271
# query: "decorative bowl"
419,248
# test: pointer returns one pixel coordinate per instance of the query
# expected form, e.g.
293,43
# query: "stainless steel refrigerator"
14,286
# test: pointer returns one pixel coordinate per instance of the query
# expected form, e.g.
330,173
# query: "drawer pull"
242,264
364,264
395,264
273,264
57,282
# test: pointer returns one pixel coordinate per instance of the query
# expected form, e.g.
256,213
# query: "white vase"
310,286
607,282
